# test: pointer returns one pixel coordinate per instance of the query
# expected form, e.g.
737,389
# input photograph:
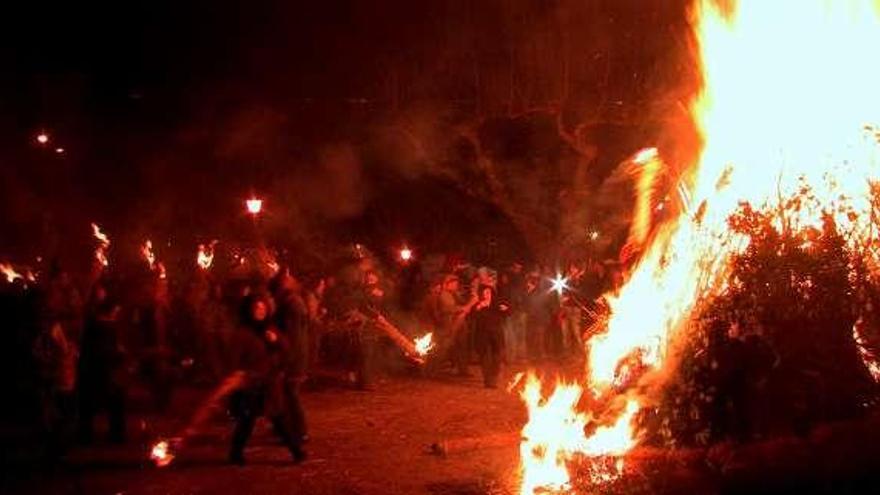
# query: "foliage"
774,351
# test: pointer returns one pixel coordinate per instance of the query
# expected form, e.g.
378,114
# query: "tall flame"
148,254
103,245
789,98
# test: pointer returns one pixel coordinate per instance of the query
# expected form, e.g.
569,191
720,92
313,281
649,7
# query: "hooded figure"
262,354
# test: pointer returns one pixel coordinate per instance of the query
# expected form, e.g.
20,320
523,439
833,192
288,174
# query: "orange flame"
9,272
148,254
205,256
406,254
869,360
103,245
424,344
100,236
161,454
648,170
765,65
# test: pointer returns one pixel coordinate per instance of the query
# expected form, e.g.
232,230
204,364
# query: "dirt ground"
375,442
379,442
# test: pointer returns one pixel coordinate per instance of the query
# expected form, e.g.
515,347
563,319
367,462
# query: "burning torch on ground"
164,451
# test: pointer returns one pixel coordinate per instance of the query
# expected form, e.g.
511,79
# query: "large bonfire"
790,101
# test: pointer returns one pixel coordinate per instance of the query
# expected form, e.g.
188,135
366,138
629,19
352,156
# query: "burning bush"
774,351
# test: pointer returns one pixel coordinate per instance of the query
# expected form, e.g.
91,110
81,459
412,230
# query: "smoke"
463,111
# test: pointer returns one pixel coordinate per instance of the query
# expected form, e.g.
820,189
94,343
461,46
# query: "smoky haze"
438,122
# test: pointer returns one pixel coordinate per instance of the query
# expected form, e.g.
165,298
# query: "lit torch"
424,344
405,254
148,254
205,256
254,206
9,272
161,454
103,245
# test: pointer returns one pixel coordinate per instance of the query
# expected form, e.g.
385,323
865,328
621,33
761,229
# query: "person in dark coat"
488,323
56,357
292,319
261,353
101,366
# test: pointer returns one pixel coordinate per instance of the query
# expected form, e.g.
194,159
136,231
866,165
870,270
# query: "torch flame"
424,344
205,256
406,254
254,206
161,454
9,272
789,98
148,254
100,236
103,245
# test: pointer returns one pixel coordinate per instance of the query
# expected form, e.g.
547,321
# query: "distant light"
42,138
59,150
254,206
559,284
594,234
406,254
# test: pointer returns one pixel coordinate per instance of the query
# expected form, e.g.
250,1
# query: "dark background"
452,125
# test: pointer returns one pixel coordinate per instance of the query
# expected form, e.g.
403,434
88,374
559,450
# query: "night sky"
342,114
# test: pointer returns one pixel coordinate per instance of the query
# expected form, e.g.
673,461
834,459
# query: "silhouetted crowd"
73,351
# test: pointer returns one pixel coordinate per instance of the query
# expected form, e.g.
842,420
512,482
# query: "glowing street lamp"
558,284
406,254
254,206
42,138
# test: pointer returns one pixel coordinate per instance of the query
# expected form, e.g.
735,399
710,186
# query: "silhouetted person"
56,357
488,323
101,365
261,354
